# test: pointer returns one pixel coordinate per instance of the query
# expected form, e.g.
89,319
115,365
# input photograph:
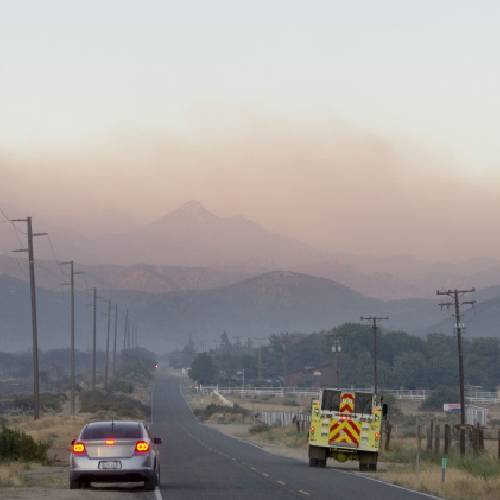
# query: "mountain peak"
192,207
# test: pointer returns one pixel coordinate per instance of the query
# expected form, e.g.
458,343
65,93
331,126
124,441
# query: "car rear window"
118,430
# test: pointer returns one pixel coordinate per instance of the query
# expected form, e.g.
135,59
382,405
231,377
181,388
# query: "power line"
374,320
12,224
56,260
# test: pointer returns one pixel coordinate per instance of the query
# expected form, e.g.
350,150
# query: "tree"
203,369
439,396
189,352
225,346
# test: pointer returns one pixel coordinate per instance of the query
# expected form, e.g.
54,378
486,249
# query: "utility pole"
71,264
125,329
116,337
94,340
106,369
31,259
455,296
374,320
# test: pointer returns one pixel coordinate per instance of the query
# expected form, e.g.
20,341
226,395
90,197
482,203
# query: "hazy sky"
367,126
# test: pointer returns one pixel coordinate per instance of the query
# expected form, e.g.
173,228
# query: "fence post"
462,442
481,440
475,441
430,432
437,438
498,452
447,439
388,430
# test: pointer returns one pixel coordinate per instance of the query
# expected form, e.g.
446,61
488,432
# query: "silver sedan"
114,452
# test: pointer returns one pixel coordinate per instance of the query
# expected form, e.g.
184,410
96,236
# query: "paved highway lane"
201,463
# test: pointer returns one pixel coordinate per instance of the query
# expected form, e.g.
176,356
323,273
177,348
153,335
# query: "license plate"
110,465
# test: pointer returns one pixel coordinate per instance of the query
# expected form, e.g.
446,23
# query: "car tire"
150,482
84,484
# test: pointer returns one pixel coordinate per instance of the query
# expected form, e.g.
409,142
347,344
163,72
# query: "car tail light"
141,447
110,442
78,448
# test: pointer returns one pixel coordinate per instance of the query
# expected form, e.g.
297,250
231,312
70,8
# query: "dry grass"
57,430
459,484
285,436
12,474
475,478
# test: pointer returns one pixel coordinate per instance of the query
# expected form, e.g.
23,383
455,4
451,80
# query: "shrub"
259,427
119,404
120,385
440,395
24,402
211,409
17,445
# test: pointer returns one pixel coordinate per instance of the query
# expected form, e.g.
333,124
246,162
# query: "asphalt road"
201,463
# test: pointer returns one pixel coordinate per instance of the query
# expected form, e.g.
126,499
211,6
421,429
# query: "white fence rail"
282,418
415,395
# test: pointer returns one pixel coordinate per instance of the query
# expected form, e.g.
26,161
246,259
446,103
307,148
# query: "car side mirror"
157,440
385,410
73,441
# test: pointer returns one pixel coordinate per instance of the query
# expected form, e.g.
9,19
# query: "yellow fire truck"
346,425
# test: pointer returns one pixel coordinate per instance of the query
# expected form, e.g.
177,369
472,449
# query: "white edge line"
158,494
338,470
386,483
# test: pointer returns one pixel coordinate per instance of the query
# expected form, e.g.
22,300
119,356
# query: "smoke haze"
339,189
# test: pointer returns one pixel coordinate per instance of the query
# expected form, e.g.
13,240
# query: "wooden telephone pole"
31,259
374,320
71,283
455,303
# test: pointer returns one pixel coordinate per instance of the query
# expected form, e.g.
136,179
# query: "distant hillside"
193,249
255,307
140,277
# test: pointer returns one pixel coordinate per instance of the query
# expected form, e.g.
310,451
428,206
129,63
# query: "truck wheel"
313,462
322,463
373,466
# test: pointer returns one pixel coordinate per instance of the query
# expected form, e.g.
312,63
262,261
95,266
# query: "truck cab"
346,425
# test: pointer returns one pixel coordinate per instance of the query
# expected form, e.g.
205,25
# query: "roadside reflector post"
444,464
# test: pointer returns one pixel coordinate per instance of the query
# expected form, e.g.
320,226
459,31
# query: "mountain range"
255,307
192,249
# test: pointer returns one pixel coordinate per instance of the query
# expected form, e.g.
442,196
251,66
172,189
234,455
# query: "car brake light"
110,441
141,447
78,448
